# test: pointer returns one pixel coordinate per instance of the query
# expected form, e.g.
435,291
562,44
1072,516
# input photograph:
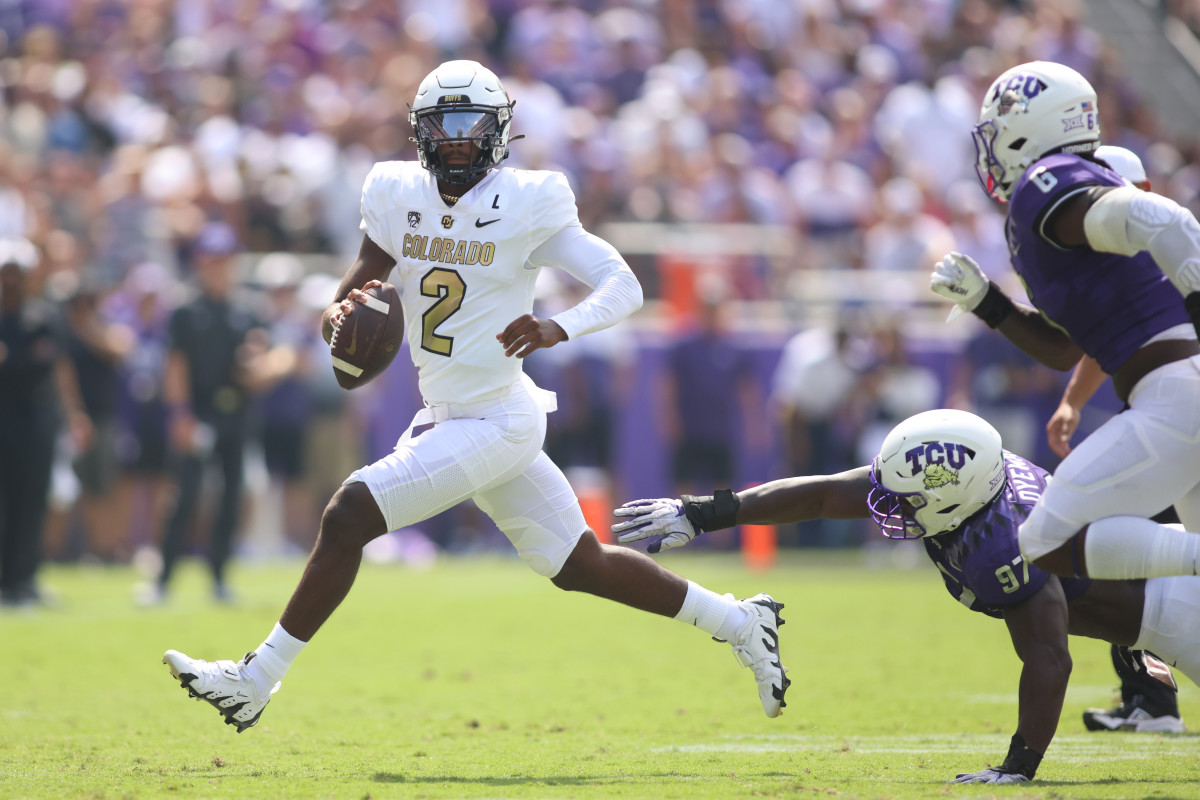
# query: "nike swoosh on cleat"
481,224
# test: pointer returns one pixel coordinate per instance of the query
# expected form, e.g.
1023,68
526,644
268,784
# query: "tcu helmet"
461,101
1031,111
933,471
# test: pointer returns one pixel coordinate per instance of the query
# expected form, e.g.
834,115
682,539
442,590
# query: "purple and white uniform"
1147,458
1110,305
981,562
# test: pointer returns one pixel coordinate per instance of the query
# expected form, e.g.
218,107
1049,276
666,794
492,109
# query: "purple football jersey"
1108,304
981,562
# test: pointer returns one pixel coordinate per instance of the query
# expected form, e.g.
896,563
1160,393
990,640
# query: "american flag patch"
1087,105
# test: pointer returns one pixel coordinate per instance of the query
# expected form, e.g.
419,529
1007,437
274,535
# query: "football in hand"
368,340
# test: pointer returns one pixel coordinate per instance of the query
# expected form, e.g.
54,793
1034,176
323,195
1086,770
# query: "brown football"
368,339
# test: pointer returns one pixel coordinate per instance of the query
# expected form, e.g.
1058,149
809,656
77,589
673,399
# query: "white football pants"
1171,623
491,452
1138,463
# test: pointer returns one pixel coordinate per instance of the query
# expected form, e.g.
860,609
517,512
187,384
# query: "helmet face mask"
1029,112
461,103
934,471
894,512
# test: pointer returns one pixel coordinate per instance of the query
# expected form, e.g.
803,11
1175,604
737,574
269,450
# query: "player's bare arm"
1033,334
958,278
672,522
800,499
1085,380
1038,628
527,333
371,268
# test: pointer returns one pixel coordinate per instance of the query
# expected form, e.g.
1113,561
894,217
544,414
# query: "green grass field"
478,679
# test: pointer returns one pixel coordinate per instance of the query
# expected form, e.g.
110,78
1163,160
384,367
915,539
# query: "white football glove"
662,518
957,277
990,776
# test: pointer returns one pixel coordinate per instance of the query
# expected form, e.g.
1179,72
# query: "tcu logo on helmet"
1028,86
955,456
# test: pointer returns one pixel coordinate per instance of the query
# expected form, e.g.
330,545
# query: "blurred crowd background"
781,175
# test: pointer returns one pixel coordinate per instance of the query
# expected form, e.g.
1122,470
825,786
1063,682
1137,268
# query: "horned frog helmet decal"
937,475
935,470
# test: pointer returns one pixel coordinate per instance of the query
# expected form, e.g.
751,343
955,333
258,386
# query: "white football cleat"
223,685
757,647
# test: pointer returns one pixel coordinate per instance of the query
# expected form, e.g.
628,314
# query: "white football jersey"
461,270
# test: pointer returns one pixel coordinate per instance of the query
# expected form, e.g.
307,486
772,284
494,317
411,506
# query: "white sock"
274,658
715,614
1121,548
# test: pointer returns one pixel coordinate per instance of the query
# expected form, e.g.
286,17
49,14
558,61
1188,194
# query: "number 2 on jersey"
447,285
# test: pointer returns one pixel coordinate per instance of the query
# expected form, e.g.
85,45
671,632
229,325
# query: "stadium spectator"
97,347
286,408
39,392
905,237
943,477
143,305
708,397
217,358
817,391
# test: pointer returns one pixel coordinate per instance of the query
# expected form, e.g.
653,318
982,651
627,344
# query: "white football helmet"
1031,111
461,101
933,471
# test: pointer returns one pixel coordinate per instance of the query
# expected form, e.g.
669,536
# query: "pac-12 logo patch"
414,219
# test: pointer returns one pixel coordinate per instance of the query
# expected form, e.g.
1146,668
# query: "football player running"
466,239
943,476
1148,699
1114,273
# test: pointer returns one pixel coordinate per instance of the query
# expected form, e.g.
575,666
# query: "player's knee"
579,570
352,517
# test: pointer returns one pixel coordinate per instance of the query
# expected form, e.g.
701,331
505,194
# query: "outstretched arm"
671,523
